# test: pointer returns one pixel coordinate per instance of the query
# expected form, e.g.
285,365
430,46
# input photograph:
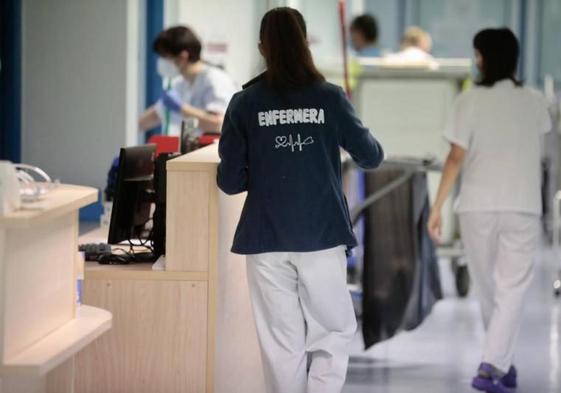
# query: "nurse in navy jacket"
280,143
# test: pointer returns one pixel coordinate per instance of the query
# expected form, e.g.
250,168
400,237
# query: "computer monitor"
134,194
192,138
159,219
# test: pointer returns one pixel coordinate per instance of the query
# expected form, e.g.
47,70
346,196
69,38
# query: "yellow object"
355,71
467,84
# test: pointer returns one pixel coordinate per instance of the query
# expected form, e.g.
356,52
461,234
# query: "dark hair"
285,48
173,41
367,25
499,51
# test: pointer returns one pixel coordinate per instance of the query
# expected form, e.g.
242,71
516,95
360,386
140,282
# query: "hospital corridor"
280,196
438,356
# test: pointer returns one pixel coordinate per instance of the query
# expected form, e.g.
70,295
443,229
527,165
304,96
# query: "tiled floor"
442,355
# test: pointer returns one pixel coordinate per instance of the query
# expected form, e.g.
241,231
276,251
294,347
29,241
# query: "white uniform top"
410,54
211,91
501,128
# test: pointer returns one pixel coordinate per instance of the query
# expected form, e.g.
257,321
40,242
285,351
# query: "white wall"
234,23
80,77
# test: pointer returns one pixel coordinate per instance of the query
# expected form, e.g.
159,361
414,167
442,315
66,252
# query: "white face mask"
167,68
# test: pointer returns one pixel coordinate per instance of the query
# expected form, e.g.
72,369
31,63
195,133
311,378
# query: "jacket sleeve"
355,138
232,177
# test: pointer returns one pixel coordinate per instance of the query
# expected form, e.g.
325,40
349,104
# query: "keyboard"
93,251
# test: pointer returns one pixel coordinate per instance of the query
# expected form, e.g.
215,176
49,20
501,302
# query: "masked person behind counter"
198,90
280,143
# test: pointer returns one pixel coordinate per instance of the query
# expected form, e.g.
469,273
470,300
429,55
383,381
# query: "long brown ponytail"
285,49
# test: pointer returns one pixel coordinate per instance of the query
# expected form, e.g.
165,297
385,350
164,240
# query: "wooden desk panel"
66,198
187,220
138,271
40,327
158,341
48,276
211,346
233,352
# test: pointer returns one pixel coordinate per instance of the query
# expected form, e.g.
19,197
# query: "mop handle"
342,23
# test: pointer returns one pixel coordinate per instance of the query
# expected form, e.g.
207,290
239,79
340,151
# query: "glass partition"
453,23
550,40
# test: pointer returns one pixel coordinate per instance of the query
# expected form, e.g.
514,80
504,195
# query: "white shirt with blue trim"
211,91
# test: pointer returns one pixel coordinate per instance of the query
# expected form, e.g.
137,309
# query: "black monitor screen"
159,231
132,201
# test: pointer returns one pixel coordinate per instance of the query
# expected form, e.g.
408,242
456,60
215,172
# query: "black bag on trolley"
400,278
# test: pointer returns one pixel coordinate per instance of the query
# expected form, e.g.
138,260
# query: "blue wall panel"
154,24
10,80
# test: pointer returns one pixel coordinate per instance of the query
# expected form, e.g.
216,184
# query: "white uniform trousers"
500,249
302,306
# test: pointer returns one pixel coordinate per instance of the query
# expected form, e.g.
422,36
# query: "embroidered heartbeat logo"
292,143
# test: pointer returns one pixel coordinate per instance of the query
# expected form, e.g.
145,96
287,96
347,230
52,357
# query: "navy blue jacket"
284,151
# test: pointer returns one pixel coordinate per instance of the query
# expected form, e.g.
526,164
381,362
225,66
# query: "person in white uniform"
416,45
496,131
281,143
198,90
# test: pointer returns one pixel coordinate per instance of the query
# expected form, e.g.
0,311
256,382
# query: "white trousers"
500,249
302,307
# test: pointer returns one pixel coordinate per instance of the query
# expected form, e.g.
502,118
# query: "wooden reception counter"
188,329
41,326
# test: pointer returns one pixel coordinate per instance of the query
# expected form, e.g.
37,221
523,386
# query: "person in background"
495,133
198,90
364,36
416,45
280,143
